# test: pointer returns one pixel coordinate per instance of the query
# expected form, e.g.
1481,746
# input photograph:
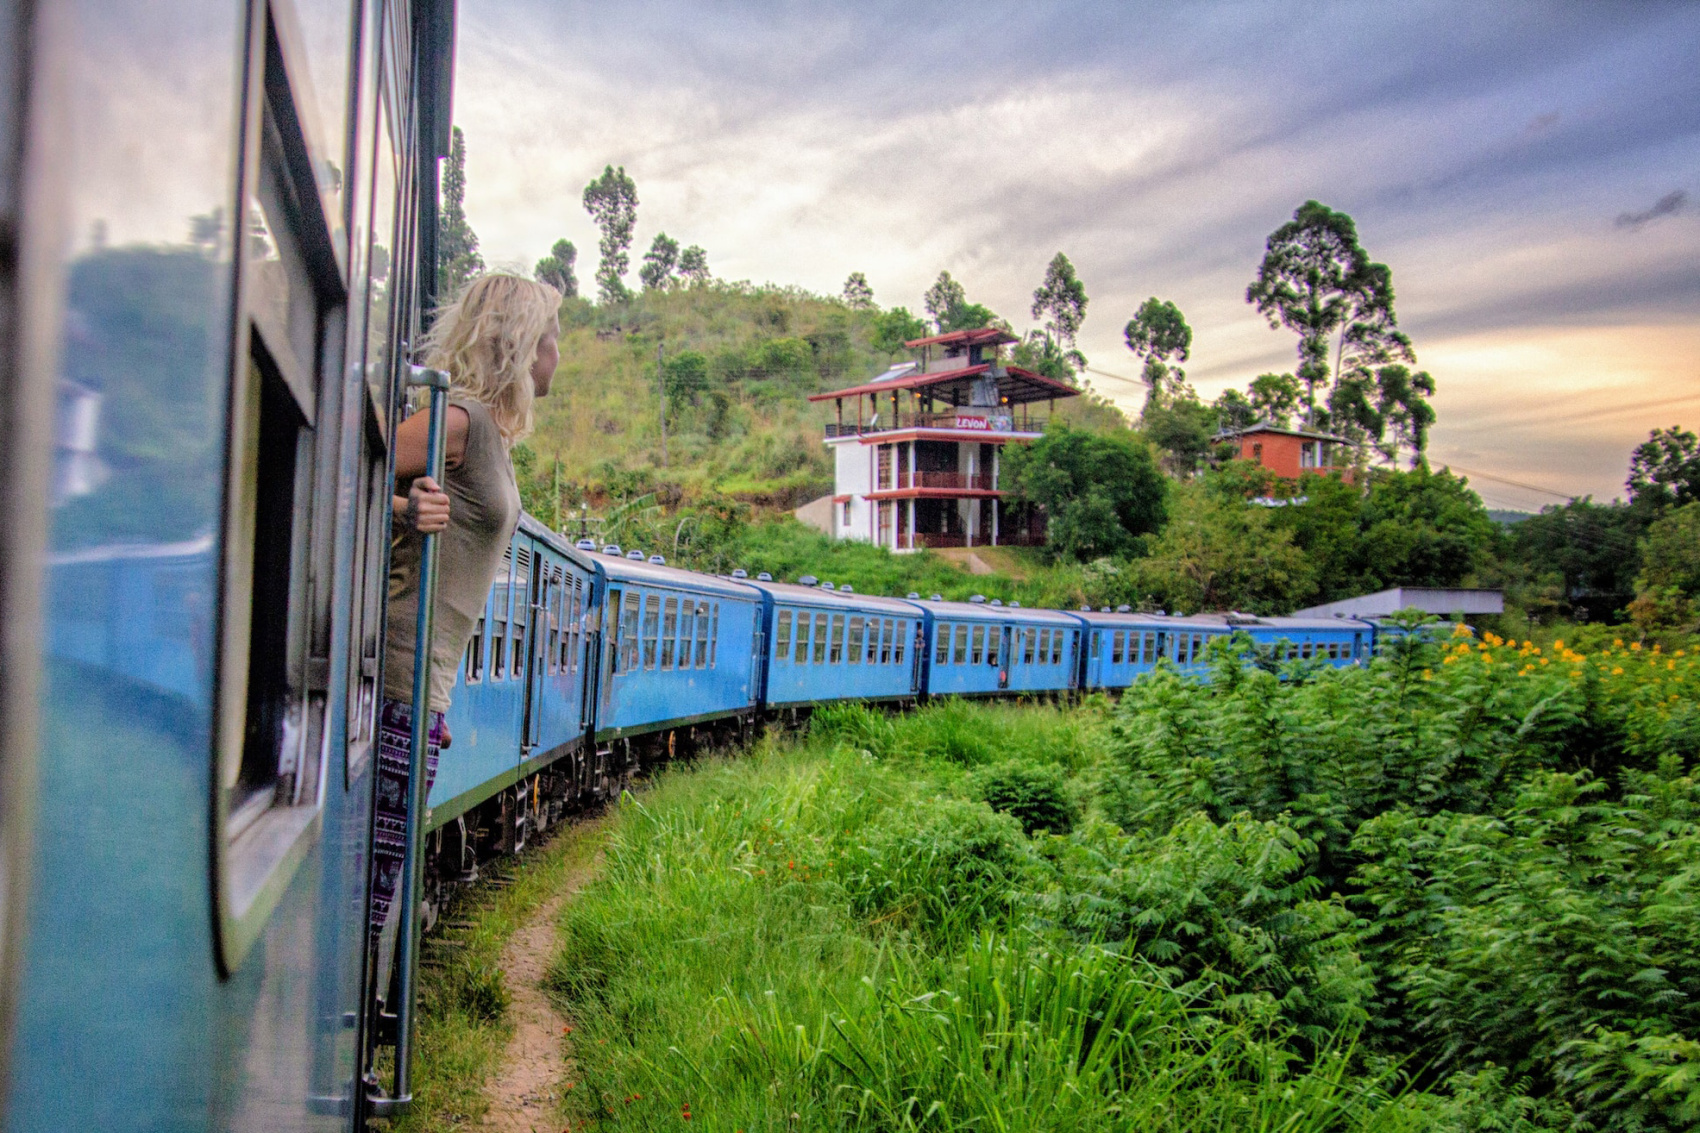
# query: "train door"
613,664
536,596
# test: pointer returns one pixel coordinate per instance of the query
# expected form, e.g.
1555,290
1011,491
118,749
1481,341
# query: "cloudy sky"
1531,173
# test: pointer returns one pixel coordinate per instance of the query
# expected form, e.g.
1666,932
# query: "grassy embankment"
1343,900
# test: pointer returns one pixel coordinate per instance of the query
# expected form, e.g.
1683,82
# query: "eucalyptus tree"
556,269
457,245
858,295
1317,280
693,266
1060,301
611,200
1159,333
660,264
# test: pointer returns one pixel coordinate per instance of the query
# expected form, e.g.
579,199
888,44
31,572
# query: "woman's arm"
425,507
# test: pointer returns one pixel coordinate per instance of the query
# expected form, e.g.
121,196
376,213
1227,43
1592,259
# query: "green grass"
462,997
777,942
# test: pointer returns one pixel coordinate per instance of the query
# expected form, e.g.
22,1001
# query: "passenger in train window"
499,341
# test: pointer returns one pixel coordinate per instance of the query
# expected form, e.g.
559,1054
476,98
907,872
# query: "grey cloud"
1668,205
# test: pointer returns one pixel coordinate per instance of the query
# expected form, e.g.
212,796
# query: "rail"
957,420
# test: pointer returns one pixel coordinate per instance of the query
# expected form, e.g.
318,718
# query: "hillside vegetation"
738,363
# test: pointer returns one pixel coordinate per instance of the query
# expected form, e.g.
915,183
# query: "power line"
1514,483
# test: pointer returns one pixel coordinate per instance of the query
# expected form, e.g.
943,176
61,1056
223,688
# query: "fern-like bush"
1035,795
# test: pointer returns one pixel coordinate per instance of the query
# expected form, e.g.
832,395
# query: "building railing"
960,420
965,481
934,539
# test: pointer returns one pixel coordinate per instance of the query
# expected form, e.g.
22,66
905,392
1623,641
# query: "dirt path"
524,1092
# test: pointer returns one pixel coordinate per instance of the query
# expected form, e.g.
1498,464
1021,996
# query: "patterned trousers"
389,824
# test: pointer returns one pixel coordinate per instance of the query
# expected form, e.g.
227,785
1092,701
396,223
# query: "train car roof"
986,612
1220,623
792,592
620,569
557,543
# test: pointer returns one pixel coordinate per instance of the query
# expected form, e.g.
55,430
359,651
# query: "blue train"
204,322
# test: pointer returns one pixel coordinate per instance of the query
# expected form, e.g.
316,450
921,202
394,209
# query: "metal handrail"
400,1097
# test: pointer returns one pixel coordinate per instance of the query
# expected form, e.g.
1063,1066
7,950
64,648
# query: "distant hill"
740,363
1507,518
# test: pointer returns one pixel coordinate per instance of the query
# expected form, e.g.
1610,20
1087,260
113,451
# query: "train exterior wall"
824,646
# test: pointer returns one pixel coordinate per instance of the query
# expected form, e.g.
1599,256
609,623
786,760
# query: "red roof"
1015,385
979,336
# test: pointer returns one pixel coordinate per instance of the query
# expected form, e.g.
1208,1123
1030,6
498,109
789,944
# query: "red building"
916,452
1291,452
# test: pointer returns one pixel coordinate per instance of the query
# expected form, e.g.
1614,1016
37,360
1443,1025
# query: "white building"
918,456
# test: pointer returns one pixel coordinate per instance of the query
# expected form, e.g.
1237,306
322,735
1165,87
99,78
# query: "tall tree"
943,299
611,200
1402,404
1159,334
1060,301
895,327
556,269
693,266
858,296
660,263
1318,282
1274,397
457,245
1664,470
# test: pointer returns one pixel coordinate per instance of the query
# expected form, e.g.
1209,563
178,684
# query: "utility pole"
661,385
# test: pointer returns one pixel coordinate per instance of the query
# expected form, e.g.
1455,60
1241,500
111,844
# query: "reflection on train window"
941,644
475,654
835,642
802,638
651,628
858,629
961,651
898,637
782,636
820,639
669,631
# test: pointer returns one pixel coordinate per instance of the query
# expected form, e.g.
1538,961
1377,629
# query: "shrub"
1034,795
938,865
853,725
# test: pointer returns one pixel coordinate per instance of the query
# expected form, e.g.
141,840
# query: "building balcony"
958,481
1002,424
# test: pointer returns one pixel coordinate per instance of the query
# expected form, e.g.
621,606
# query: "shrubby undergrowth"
1454,890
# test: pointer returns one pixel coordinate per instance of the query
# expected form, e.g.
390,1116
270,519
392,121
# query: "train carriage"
520,701
823,645
1121,646
679,649
985,649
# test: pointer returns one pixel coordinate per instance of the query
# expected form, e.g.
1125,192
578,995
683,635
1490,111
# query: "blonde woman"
499,342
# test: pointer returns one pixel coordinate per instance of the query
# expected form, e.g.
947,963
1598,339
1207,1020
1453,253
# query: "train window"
669,631
714,636
552,658
475,654
941,651
873,640
994,647
1149,653
802,655
961,649
1038,645
651,628
575,627
1027,637
887,639
702,635
1357,646
898,637
631,640
979,648
820,639
782,636
1056,646
835,643
853,649
687,631
498,649
518,669
1116,647
1304,651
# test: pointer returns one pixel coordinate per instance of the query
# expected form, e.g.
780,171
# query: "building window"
1257,453
846,514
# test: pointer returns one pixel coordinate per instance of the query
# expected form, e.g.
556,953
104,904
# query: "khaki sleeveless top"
483,512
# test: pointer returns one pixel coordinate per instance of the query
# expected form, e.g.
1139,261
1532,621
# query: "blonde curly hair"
487,339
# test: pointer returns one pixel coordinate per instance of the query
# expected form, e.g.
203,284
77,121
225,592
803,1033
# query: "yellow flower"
1617,670
1559,644
1617,643
1428,674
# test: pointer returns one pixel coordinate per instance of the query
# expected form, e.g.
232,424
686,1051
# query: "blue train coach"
826,645
679,649
979,648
